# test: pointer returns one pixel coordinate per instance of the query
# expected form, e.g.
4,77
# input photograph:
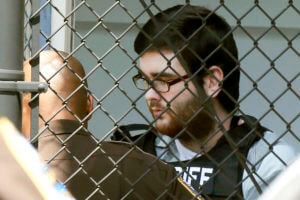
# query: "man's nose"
152,94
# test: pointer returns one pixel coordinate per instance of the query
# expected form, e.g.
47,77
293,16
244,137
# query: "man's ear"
89,105
212,81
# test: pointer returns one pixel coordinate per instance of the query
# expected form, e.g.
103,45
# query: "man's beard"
186,120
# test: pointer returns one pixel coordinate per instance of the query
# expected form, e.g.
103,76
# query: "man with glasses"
189,72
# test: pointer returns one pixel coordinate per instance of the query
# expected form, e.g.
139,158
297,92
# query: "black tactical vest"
216,174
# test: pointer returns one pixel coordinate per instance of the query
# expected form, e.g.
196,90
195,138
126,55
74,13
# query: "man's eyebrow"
159,74
164,74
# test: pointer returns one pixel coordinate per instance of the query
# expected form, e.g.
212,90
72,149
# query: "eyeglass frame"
169,83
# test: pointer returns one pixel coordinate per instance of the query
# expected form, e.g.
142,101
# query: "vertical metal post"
35,24
11,56
62,40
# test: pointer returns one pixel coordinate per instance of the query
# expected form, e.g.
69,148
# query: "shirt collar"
165,149
162,141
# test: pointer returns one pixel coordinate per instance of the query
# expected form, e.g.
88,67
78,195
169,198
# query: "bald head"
67,97
61,67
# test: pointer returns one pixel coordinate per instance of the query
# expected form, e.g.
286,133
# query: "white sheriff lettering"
199,174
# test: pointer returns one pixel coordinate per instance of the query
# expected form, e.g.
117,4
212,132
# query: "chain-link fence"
179,60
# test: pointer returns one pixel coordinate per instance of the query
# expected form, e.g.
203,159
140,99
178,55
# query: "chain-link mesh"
220,156
27,30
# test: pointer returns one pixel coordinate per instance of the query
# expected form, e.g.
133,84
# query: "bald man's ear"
89,105
212,81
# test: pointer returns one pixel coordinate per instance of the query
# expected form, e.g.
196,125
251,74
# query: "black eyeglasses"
160,85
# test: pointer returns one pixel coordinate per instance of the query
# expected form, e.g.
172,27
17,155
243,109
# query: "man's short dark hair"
201,38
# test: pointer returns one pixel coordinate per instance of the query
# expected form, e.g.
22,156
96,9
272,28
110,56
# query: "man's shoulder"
271,145
270,155
128,152
271,140
120,148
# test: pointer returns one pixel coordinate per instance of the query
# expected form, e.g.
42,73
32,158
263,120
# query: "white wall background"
255,64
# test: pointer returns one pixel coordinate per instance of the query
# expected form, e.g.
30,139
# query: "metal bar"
22,86
11,56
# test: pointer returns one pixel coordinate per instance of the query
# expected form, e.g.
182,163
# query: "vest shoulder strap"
144,140
247,134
